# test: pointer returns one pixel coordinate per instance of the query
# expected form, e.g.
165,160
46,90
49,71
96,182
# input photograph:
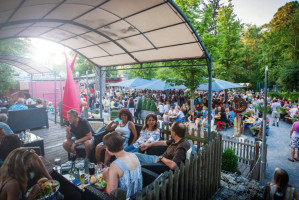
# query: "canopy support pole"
101,94
31,84
210,60
264,145
55,97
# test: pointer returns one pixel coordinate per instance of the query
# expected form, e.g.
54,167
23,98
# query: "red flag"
70,96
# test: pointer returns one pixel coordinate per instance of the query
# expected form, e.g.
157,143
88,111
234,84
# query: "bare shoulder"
114,169
157,130
11,185
131,124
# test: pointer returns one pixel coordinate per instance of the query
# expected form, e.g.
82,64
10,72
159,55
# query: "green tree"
229,55
143,73
253,60
153,107
281,37
6,77
139,104
289,78
82,66
144,103
17,47
192,77
148,104
215,6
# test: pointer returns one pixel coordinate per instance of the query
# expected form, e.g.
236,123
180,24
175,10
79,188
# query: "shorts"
275,114
80,143
294,142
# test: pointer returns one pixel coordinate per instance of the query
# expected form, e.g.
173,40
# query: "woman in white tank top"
126,127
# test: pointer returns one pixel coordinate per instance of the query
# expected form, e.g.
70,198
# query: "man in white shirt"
107,104
161,108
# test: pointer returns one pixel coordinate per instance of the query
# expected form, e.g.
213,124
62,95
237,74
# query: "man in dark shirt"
175,152
80,128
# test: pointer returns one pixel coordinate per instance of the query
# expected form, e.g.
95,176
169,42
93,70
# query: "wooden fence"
247,151
197,137
198,178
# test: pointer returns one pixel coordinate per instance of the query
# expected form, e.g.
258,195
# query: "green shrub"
114,114
153,107
144,102
139,106
261,108
294,96
148,104
229,160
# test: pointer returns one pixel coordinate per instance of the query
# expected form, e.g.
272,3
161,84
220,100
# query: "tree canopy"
17,47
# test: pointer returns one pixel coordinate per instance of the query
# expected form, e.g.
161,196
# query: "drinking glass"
82,175
91,168
100,167
57,162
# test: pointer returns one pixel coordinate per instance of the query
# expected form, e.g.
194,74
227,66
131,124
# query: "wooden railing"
255,171
198,178
196,136
247,151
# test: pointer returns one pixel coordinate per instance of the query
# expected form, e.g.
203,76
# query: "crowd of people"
128,146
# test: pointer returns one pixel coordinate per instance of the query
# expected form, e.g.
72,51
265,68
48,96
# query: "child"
279,188
166,117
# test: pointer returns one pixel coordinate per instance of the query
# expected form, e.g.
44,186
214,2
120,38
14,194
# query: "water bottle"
22,135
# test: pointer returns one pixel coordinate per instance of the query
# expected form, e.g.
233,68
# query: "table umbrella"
159,85
131,82
218,85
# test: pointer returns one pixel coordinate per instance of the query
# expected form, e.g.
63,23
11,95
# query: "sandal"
296,159
291,160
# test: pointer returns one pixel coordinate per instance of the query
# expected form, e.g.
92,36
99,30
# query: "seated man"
175,152
82,131
4,125
19,105
256,125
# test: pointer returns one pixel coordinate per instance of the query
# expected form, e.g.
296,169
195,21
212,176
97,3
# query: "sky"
256,12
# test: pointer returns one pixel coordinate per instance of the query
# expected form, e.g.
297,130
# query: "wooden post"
170,185
181,184
156,190
163,187
186,172
195,175
176,183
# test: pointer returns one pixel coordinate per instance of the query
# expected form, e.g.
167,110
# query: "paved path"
278,151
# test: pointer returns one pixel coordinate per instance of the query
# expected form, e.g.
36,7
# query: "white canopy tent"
108,32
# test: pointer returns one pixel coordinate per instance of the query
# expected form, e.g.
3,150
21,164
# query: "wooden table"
217,117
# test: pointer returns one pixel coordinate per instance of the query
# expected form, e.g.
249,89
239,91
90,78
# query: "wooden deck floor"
53,138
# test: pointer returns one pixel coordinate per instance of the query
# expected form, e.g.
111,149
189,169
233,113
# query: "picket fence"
197,178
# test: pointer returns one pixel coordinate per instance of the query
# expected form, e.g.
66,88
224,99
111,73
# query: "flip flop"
296,159
291,160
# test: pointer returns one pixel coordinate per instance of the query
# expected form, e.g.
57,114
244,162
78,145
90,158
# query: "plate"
49,196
